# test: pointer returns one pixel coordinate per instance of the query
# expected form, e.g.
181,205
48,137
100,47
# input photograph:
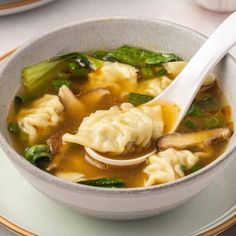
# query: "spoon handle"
184,88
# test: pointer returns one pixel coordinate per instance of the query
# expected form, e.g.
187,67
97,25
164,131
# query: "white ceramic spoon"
184,88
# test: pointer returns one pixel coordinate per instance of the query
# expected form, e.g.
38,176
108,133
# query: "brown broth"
73,158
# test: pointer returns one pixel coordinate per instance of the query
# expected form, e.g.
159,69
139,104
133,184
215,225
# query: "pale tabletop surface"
18,28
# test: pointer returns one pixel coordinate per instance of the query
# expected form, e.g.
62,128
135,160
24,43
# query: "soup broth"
98,89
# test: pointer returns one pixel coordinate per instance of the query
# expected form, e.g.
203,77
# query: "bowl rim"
75,187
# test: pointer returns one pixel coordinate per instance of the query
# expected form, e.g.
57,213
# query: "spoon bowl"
113,162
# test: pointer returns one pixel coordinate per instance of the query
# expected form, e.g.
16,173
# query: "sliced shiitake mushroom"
55,142
197,139
208,83
95,97
70,101
55,163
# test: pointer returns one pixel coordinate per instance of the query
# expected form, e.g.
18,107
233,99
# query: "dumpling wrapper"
165,166
175,67
116,130
40,117
153,87
118,77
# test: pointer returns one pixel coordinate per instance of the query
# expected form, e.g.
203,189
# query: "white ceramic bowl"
106,34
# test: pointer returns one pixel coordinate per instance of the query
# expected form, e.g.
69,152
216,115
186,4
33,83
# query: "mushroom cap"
196,139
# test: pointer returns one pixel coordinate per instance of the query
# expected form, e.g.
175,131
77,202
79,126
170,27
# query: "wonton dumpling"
154,87
70,101
155,113
165,166
116,130
175,67
116,76
40,117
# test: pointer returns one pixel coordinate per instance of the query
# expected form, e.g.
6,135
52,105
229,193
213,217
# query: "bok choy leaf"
139,57
104,182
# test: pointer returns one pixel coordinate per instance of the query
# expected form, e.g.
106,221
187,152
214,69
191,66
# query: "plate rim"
21,3
20,6
220,227
15,228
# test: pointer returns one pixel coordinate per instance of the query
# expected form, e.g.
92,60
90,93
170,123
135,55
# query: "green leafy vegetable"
70,55
190,125
139,57
138,99
195,110
36,76
104,182
77,71
39,155
196,167
147,72
13,127
160,58
99,54
81,72
160,72
58,83
211,122
95,63
73,66
81,59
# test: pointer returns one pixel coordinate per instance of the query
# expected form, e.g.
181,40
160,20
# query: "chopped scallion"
161,72
58,83
196,167
194,110
13,127
190,125
147,72
39,155
211,122
138,99
104,182
99,54
183,168
73,66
